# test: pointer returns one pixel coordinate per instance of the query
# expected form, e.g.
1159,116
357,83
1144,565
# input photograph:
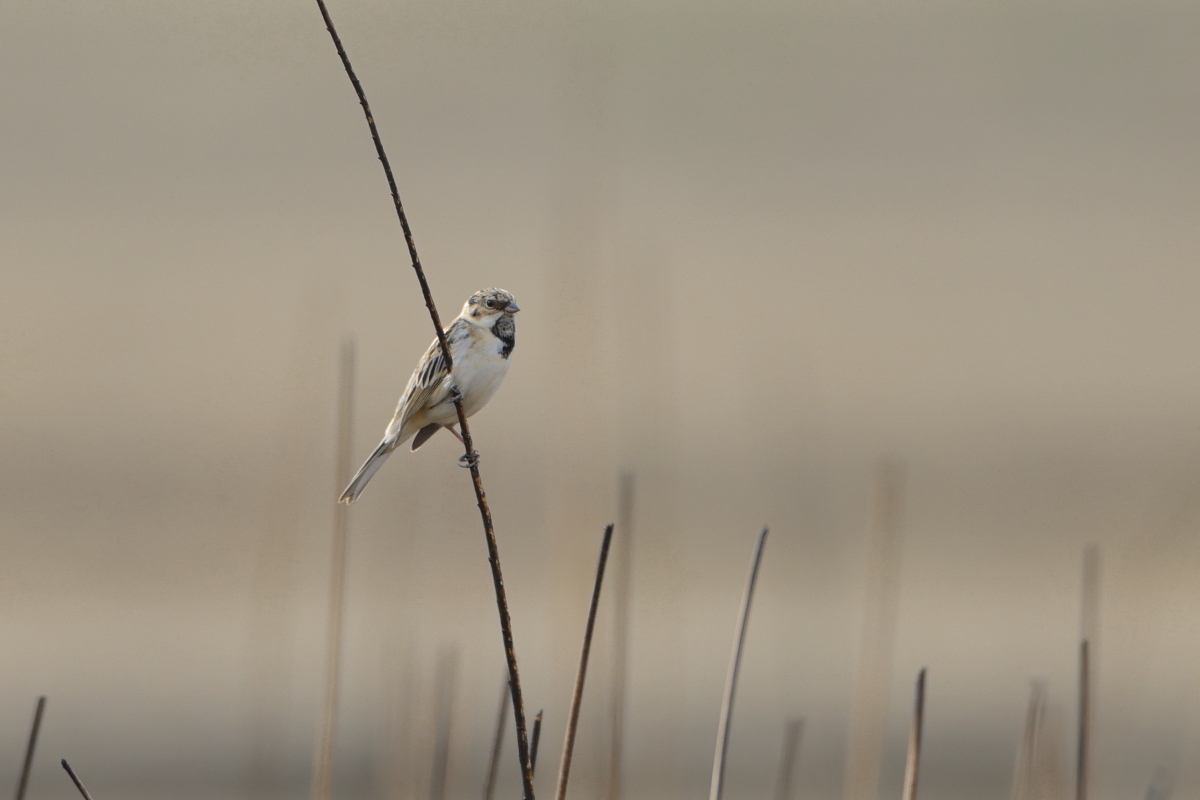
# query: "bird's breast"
478,369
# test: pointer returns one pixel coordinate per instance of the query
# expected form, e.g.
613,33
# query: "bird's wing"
427,386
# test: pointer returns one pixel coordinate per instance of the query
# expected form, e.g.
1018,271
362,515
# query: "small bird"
481,340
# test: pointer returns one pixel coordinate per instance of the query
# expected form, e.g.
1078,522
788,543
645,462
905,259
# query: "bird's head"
486,306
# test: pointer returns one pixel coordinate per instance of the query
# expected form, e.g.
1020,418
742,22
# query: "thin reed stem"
1089,624
787,761
447,681
489,786
322,782
1028,756
735,663
535,740
621,593
1081,753
872,675
33,736
471,456
912,764
75,778
564,768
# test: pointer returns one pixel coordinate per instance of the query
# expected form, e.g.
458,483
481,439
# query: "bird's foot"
469,460
457,435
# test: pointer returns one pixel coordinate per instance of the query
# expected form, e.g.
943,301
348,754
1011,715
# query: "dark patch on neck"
505,330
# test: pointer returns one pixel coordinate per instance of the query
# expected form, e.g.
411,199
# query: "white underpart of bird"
481,340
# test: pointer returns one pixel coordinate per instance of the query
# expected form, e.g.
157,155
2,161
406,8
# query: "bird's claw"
469,460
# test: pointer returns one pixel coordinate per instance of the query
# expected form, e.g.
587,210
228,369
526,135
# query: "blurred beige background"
758,246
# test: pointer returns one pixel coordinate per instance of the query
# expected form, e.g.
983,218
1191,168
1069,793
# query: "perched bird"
481,340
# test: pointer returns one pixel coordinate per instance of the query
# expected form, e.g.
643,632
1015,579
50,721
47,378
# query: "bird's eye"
490,303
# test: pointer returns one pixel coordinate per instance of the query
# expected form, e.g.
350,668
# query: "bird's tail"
368,469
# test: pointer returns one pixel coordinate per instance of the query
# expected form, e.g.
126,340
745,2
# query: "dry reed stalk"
735,663
621,596
1081,752
1028,763
869,702
564,767
1089,626
471,457
537,738
29,747
75,779
322,782
401,741
912,763
792,732
489,786
447,679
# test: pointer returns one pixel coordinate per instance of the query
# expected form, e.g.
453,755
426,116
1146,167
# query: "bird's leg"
467,460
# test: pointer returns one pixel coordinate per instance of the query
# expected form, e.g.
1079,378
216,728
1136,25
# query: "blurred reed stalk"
401,742
23,783
489,785
735,663
1089,624
792,733
868,707
564,768
535,740
1029,751
912,763
447,682
1160,785
621,597
471,457
322,781
1081,752
75,779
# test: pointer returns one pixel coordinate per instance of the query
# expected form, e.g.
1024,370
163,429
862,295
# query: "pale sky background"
758,247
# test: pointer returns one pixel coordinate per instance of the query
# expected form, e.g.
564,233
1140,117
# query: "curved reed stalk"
75,779
564,767
912,762
471,456
735,663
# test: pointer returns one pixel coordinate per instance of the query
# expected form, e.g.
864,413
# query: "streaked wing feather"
427,386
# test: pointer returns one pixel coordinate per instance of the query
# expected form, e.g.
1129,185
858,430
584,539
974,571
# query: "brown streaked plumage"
480,339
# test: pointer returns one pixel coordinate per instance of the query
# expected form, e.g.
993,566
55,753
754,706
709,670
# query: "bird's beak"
512,307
